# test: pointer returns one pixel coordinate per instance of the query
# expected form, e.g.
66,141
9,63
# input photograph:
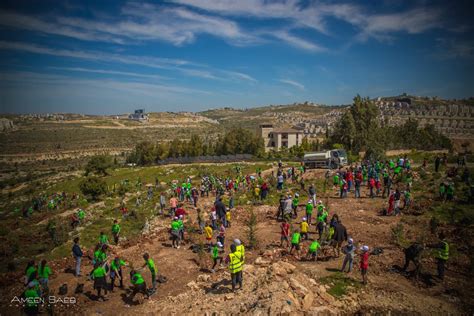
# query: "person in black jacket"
220,210
77,253
413,253
340,235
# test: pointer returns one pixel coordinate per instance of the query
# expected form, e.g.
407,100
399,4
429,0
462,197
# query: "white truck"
331,159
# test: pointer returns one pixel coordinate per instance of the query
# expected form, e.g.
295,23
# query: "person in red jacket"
285,234
372,187
364,263
349,179
391,204
180,211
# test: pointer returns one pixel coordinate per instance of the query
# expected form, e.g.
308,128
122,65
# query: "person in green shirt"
30,272
100,282
295,202
151,265
116,231
216,248
323,215
81,214
100,254
103,240
442,190
44,271
175,232
309,211
450,192
181,228
313,250
407,200
295,242
335,180
139,285
32,297
116,270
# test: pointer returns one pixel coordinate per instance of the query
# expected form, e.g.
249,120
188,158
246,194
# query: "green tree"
195,146
99,165
93,187
251,224
145,153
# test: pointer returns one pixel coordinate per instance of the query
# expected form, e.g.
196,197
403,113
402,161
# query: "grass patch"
339,284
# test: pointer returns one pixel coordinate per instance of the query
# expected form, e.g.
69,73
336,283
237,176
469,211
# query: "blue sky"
105,57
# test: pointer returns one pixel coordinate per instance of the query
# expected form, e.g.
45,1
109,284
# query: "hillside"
281,114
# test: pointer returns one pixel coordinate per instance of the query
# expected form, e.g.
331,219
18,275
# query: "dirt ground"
387,291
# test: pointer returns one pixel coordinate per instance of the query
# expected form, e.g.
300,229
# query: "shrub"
398,235
252,230
93,187
99,165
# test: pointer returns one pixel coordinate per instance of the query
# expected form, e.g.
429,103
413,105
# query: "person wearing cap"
304,229
349,251
234,259
240,248
175,233
216,248
364,263
288,208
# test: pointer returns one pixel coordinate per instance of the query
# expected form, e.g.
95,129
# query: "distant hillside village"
451,119
454,118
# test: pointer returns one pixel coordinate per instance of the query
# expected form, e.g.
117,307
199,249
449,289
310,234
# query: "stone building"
277,138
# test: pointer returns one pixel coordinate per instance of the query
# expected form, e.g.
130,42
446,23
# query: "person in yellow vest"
240,248
441,254
234,259
227,218
139,285
304,229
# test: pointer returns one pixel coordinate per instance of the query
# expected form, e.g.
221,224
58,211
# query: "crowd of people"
309,229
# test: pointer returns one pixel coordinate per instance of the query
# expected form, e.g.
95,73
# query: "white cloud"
413,22
181,22
298,42
315,15
20,21
153,62
292,83
54,81
177,65
110,72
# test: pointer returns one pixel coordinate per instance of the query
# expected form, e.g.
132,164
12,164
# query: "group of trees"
360,129
235,141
